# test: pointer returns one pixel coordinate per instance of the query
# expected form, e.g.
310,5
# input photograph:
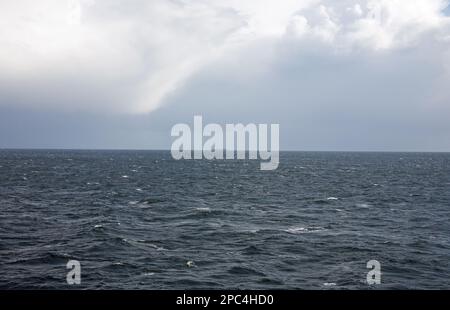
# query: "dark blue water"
135,218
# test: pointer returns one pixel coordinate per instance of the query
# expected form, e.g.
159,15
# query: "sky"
348,75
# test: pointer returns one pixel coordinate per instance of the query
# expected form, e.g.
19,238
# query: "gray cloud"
396,100
347,75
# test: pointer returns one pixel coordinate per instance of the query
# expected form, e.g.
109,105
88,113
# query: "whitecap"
133,202
253,231
296,230
203,209
329,284
125,176
98,226
190,263
332,198
362,205
303,230
157,248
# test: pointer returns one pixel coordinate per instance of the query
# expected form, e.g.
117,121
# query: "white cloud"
128,56
374,24
138,50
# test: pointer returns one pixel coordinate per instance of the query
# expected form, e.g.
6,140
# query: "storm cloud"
350,75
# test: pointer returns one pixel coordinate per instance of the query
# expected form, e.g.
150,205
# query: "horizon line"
168,150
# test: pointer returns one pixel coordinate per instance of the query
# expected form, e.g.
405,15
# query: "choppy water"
135,218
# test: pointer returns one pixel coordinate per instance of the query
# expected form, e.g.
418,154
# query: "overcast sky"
368,75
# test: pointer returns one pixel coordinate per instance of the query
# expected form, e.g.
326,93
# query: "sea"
142,220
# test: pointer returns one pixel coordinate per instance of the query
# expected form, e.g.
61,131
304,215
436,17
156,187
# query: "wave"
149,201
303,230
